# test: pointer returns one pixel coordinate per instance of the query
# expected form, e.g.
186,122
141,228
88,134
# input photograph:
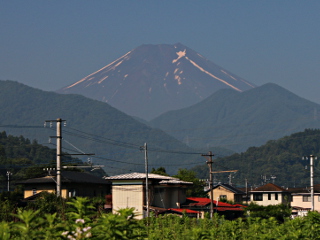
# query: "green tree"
160,171
197,189
280,211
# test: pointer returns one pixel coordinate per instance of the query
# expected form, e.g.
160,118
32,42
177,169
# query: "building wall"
29,193
172,197
167,196
68,190
158,197
297,201
65,193
270,198
221,191
86,190
128,196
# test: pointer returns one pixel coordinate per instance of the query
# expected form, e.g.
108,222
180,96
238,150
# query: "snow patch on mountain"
102,79
180,55
211,75
229,75
178,78
87,78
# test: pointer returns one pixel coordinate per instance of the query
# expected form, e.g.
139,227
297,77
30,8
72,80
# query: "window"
223,197
276,196
306,198
34,191
72,193
257,197
269,196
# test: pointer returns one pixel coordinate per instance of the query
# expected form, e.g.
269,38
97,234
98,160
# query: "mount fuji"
153,79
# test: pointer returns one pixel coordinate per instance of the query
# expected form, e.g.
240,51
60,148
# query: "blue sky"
50,44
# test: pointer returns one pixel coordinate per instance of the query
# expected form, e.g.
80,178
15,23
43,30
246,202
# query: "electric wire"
94,137
179,152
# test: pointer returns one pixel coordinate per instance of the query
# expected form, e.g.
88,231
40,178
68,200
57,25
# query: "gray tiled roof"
269,187
69,176
231,188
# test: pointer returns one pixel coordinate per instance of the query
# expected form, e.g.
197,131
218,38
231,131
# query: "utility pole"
8,175
230,176
145,148
209,162
59,152
273,177
246,180
312,158
58,157
59,147
230,179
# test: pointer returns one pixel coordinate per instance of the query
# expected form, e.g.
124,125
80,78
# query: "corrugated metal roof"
182,210
175,182
222,209
136,175
198,201
239,205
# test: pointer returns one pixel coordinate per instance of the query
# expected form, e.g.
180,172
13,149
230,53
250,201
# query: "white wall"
128,196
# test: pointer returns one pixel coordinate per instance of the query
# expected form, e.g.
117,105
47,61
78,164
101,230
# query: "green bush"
81,220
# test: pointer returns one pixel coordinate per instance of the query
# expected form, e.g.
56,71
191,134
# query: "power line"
94,137
119,143
20,126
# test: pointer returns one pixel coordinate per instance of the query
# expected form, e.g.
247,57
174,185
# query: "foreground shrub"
81,221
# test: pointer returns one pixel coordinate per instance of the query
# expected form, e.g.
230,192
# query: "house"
270,194
301,199
164,192
227,192
72,184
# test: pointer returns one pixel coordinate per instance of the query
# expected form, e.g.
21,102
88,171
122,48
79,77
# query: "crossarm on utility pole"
225,171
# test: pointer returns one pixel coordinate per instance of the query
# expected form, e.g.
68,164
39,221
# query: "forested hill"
26,159
237,121
280,158
92,127
12,147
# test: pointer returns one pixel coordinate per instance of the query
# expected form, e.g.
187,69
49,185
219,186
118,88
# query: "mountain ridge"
243,119
92,126
152,79
280,159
